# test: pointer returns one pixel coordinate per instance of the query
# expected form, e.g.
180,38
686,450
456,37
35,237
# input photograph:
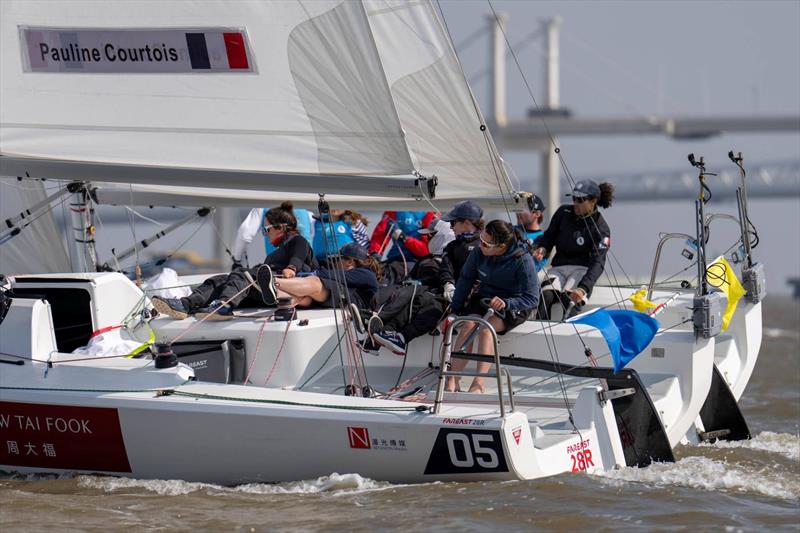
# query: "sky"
644,58
638,59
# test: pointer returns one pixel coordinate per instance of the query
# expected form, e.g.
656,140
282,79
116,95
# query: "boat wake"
764,474
337,484
777,333
767,441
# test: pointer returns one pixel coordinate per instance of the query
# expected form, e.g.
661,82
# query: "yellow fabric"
721,275
144,346
640,302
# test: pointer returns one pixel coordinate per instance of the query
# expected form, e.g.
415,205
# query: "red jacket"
410,223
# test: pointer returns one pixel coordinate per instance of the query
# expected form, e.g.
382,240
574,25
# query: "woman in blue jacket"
502,272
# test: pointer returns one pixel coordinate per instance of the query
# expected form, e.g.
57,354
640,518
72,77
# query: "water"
741,486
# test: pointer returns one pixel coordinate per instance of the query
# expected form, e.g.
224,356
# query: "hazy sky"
677,58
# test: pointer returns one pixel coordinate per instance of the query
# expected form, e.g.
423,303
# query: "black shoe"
266,282
215,311
171,307
367,345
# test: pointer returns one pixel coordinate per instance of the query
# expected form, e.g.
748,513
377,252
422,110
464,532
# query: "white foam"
768,441
334,483
775,333
704,473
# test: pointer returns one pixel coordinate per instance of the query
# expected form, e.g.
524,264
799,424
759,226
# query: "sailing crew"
530,224
217,296
506,283
353,280
581,238
397,235
254,222
334,230
466,220
408,312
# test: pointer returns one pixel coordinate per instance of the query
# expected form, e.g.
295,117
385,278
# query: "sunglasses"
265,229
580,199
487,244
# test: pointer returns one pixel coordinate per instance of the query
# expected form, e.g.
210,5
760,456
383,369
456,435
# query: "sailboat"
363,103
355,99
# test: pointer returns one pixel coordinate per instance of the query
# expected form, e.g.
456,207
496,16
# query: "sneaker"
171,307
355,316
374,325
266,283
392,340
369,346
215,311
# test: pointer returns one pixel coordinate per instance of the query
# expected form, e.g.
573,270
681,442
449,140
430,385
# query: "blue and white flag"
626,333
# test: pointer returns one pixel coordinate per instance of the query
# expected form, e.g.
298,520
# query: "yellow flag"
640,302
721,275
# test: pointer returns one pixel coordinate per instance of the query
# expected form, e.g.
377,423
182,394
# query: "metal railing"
444,363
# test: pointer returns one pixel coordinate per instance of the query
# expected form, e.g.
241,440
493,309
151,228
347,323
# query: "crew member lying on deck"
218,295
354,281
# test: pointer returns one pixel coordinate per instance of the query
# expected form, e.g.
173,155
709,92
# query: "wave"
767,441
709,474
334,483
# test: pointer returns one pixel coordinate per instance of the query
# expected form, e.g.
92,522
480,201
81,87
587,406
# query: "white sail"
38,248
437,110
315,101
329,96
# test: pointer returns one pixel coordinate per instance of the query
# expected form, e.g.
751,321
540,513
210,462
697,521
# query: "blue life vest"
323,232
304,227
533,235
410,223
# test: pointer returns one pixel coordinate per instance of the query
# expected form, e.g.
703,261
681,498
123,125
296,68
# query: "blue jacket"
510,276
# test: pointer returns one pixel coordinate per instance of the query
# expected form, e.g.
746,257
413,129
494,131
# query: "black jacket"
582,241
295,251
455,255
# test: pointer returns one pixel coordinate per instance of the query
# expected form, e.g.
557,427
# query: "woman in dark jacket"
505,276
218,295
581,237
466,219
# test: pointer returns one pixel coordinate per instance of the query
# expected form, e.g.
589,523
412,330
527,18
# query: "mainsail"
330,96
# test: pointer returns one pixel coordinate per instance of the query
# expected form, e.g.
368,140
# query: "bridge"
544,125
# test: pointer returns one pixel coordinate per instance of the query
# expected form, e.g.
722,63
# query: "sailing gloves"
448,291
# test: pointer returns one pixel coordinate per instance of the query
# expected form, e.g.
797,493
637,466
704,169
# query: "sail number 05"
465,452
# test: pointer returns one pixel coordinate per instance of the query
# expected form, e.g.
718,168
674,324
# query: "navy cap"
537,204
353,251
586,188
468,210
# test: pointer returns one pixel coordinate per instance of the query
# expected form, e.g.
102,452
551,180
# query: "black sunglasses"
580,199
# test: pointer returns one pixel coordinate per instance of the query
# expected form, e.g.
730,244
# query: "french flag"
217,51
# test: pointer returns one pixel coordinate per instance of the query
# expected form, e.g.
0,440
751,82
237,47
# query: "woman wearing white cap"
581,237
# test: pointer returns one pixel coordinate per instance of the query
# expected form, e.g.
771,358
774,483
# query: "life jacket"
304,227
324,232
410,223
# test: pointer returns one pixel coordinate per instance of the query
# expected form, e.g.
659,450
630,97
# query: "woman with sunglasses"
217,296
581,237
501,274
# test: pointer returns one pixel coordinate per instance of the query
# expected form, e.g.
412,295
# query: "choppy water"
741,486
